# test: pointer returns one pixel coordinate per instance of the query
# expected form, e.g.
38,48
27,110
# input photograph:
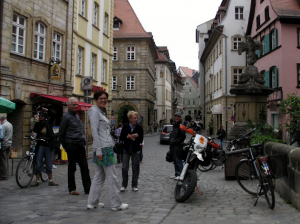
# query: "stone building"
36,60
133,75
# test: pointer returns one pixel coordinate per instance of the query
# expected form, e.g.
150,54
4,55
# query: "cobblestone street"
219,201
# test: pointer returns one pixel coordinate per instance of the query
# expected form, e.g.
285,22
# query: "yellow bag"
64,155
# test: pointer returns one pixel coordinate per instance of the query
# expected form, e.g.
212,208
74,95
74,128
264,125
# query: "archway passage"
122,114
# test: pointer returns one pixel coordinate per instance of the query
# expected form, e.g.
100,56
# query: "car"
165,134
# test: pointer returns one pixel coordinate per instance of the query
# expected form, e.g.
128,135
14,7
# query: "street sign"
232,118
112,121
112,117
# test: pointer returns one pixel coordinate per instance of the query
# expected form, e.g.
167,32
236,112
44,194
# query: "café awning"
6,106
62,100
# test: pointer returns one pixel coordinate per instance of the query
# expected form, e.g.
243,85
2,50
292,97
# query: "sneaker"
123,189
177,178
52,183
135,189
172,177
100,205
53,166
121,207
34,184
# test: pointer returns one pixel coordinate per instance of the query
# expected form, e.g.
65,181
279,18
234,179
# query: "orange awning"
81,105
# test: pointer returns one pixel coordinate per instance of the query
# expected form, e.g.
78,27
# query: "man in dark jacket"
72,138
221,135
43,128
176,137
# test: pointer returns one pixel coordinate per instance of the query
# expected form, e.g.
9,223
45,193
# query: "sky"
173,23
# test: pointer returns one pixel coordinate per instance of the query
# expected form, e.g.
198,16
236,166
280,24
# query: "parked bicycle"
253,174
26,167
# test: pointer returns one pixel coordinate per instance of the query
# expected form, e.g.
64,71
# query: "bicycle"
254,174
26,167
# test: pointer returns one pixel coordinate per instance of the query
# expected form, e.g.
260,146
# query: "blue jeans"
221,141
44,152
178,165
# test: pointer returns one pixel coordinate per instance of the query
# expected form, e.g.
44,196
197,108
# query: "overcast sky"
173,23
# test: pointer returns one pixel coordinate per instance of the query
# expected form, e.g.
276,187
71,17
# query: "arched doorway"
122,114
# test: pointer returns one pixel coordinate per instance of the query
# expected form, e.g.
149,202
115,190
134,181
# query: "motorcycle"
199,150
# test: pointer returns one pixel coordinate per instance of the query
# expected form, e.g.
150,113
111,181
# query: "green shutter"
267,43
258,53
276,76
267,79
276,38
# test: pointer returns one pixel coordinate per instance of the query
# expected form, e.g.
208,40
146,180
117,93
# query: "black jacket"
221,133
49,134
136,144
70,129
177,136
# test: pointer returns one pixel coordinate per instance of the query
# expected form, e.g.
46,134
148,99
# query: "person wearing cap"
176,137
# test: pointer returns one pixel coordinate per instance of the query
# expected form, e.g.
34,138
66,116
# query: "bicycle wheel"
44,175
268,187
247,178
206,168
24,172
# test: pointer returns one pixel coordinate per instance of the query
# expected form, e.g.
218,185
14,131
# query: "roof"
131,26
286,8
187,71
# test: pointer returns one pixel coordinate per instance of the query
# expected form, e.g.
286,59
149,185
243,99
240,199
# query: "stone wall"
286,167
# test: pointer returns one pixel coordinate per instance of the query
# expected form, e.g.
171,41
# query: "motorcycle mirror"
188,118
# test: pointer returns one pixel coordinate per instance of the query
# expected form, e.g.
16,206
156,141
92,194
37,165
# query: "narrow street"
219,201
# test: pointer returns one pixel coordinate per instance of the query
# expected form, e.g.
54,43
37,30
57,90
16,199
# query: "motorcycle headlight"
198,148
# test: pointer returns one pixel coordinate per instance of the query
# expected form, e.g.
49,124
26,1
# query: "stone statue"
250,47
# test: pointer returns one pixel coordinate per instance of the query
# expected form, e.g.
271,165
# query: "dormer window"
117,23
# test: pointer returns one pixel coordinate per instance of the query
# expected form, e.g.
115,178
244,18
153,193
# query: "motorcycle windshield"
200,140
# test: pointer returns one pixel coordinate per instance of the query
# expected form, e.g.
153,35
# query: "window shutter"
276,38
267,43
258,53
276,76
267,79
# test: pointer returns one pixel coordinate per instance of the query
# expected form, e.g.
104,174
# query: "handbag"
118,148
169,156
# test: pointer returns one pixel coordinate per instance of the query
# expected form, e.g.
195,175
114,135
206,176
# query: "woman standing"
132,136
103,156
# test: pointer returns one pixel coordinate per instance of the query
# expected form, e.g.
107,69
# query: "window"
188,102
115,54
39,41
18,34
104,62
275,120
93,72
105,24
95,14
236,41
130,83
298,74
271,77
239,12
263,44
273,39
267,15
194,102
130,53
57,38
190,90
257,21
114,83
220,44
82,8
79,65
236,75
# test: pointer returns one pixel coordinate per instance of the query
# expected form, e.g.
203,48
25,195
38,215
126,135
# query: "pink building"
276,23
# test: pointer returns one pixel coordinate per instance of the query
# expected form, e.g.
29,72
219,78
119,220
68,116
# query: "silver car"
165,134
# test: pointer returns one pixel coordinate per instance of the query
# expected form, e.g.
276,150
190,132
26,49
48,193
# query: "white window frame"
115,53
114,82
236,73
130,53
82,8
130,82
19,38
93,65
40,41
80,60
96,7
105,24
57,46
236,41
104,62
239,12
